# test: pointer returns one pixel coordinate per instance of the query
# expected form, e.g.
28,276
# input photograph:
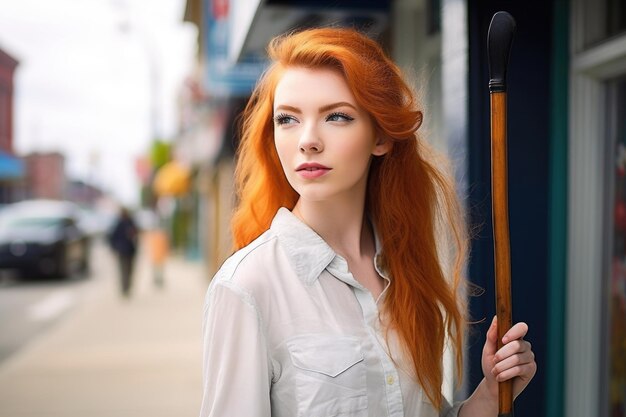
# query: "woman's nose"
310,141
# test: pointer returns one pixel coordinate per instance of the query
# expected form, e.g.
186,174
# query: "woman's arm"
237,369
515,360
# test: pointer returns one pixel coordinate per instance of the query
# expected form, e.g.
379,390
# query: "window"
595,383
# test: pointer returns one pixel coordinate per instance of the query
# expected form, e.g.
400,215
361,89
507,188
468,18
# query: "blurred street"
28,307
89,352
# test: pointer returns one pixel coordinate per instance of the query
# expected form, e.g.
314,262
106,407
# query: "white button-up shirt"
289,332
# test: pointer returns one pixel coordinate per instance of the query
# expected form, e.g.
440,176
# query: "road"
29,307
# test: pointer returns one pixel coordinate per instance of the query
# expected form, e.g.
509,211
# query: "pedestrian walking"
346,288
123,240
158,245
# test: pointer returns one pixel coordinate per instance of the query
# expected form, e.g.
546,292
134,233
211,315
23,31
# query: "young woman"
346,289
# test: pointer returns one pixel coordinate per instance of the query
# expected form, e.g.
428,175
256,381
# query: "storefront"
596,279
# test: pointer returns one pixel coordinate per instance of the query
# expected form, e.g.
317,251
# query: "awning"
11,167
172,179
258,21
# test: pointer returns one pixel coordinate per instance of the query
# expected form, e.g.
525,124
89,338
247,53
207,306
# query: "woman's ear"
383,145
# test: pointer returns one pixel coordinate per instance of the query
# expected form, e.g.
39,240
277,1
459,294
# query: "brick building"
11,167
45,175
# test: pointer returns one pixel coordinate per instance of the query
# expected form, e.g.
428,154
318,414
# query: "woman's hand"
514,360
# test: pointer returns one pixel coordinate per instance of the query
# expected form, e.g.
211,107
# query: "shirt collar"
308,253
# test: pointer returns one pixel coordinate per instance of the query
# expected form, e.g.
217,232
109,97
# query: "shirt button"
390,380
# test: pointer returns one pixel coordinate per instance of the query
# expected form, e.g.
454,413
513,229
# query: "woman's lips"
312,170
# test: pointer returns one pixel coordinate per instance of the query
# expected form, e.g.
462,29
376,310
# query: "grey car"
43,237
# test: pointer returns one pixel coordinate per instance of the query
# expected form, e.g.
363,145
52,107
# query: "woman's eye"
339,117
283,119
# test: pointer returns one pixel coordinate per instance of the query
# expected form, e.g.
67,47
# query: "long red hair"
412,202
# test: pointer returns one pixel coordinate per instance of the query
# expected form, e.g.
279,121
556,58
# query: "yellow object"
172,179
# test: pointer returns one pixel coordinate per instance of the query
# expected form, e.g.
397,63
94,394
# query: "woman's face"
324,140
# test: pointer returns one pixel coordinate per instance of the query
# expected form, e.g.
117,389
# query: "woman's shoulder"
249,266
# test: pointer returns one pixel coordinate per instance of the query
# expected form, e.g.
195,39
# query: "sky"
89,72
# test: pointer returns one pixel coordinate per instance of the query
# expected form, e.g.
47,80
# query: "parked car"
43,237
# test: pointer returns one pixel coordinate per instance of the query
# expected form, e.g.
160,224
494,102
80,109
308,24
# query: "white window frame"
590,68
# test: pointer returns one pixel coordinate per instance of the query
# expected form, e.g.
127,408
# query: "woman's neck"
342,226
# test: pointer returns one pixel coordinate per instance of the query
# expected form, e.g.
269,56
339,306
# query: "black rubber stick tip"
499,39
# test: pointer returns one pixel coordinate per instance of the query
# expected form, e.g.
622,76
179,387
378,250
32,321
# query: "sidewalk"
112,357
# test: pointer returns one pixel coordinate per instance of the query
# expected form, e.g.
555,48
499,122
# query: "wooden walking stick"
499,40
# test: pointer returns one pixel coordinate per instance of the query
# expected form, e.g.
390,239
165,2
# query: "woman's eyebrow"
322,109
288,108
335,105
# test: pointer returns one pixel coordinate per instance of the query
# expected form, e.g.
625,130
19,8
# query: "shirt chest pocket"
330,375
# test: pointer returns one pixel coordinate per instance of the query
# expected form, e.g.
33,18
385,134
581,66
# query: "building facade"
11,167
8,65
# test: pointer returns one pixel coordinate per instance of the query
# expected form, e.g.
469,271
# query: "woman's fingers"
512,348
518,331
505,368
515,360
492,337
525,372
